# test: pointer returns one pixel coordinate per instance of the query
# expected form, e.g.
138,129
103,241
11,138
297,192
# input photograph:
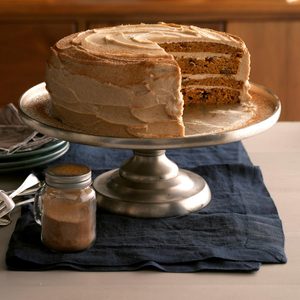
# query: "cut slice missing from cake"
134,80
212,72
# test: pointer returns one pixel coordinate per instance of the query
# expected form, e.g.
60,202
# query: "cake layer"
211,65
236,77
200,46
226,81
210,95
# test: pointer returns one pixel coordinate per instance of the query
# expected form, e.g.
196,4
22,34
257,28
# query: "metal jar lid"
68,176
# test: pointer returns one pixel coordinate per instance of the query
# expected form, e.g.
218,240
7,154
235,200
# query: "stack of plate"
29,159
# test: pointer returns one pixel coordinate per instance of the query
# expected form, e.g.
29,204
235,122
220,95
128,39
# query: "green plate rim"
25,164
45,148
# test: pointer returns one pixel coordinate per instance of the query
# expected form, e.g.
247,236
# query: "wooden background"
270,28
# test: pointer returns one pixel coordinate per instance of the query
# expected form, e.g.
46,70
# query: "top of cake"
142,40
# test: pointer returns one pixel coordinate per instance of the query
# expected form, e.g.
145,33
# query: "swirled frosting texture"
118,81
142,40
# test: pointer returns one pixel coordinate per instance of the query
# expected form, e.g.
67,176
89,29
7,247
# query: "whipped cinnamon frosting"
143,39
119,81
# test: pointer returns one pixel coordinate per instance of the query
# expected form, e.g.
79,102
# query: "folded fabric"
17,136
238,231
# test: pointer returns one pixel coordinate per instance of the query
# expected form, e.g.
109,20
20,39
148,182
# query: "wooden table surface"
277,152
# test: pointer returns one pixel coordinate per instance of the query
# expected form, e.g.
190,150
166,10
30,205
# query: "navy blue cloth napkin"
238,231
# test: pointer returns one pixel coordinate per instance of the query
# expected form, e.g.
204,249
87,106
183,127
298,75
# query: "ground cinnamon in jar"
68,208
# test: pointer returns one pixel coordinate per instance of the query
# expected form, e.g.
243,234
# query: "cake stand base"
149,185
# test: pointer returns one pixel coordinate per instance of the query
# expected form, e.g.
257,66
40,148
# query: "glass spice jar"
66,208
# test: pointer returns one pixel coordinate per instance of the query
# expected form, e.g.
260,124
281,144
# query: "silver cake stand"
149,185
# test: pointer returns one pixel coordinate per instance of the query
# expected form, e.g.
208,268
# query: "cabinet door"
275,59
23,55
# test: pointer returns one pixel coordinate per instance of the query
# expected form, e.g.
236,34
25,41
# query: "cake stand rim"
190,141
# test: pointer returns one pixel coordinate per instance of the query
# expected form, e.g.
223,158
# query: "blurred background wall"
270,28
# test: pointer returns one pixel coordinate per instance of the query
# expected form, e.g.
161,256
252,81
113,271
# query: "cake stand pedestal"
149,185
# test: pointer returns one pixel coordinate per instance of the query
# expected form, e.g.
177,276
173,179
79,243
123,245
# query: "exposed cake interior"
212,73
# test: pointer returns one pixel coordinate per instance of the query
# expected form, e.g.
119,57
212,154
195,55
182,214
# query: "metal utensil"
6,220
29,191
6,201
29,182
7,204
24,202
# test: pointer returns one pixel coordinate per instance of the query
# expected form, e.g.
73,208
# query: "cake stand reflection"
149,185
